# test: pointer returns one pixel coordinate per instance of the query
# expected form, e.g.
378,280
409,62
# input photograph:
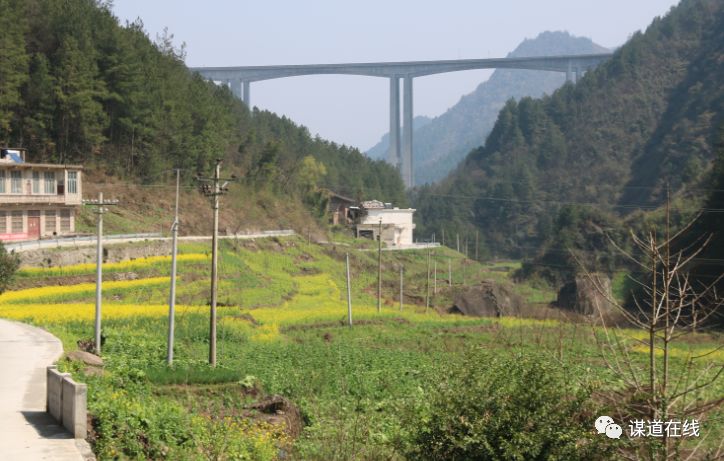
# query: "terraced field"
282,332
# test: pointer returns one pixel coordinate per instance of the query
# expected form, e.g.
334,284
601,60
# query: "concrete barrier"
75,415
67,402
54,400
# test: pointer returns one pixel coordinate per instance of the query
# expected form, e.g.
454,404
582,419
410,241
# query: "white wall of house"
397,225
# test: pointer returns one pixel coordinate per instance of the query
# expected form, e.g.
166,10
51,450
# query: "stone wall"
59,257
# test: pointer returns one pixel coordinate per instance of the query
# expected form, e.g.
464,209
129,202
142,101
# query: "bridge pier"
247,93
235,86
569,72
241,89
407,175
393,152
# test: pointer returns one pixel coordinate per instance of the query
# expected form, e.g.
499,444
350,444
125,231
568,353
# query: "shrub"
514,408
9,263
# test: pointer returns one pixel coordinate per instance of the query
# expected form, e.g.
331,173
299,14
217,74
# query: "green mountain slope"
609,143
443,142
75,86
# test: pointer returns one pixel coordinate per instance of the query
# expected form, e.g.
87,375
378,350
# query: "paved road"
26,432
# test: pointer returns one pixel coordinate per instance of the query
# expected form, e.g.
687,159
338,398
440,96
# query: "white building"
36,199
395,224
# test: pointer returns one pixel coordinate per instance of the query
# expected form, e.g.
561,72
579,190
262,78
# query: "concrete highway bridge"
240,78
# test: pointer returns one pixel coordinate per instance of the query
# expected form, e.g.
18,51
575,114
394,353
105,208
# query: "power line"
566,202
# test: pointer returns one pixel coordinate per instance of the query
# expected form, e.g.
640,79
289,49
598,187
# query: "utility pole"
100,209
402,271
434,279
443,236
427,285
449,271
172,294
477,233
349,295
212,188
457,242
379,268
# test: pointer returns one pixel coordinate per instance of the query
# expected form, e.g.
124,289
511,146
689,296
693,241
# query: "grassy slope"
283,330
150,208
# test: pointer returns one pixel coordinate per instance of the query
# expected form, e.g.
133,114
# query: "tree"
13,62
9,263
310,173
670,306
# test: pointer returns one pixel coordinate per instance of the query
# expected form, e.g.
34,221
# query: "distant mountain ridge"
644,122
443,142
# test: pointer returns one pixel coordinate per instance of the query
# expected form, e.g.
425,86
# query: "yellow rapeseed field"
50,292
61,313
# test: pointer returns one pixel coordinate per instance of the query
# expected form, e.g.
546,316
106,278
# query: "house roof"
339,196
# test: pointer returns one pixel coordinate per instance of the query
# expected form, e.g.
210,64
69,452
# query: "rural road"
26,431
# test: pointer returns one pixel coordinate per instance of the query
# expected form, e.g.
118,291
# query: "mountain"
77,87
443,142
607,145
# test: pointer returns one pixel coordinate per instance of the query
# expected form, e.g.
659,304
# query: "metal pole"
457,242
402,271
99,274
379,268
214,266
172,294
349,295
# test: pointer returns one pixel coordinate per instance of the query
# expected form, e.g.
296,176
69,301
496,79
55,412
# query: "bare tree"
669,305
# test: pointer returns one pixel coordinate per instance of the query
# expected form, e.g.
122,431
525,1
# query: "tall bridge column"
247,93
393,152
235,86
407,175
569,72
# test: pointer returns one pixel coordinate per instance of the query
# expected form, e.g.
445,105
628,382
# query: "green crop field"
282,331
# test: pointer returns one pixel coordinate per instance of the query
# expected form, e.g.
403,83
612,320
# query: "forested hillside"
563,170
75,86
444,142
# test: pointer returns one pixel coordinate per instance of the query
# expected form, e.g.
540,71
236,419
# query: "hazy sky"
354,110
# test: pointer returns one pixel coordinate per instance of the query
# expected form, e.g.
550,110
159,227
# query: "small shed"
339,208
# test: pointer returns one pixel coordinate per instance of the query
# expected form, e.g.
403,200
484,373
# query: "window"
17,222
16,182
72,182
65,220
36,182
51,225
3,222
49,182
2,181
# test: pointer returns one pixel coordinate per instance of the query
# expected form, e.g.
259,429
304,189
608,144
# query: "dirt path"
26,431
